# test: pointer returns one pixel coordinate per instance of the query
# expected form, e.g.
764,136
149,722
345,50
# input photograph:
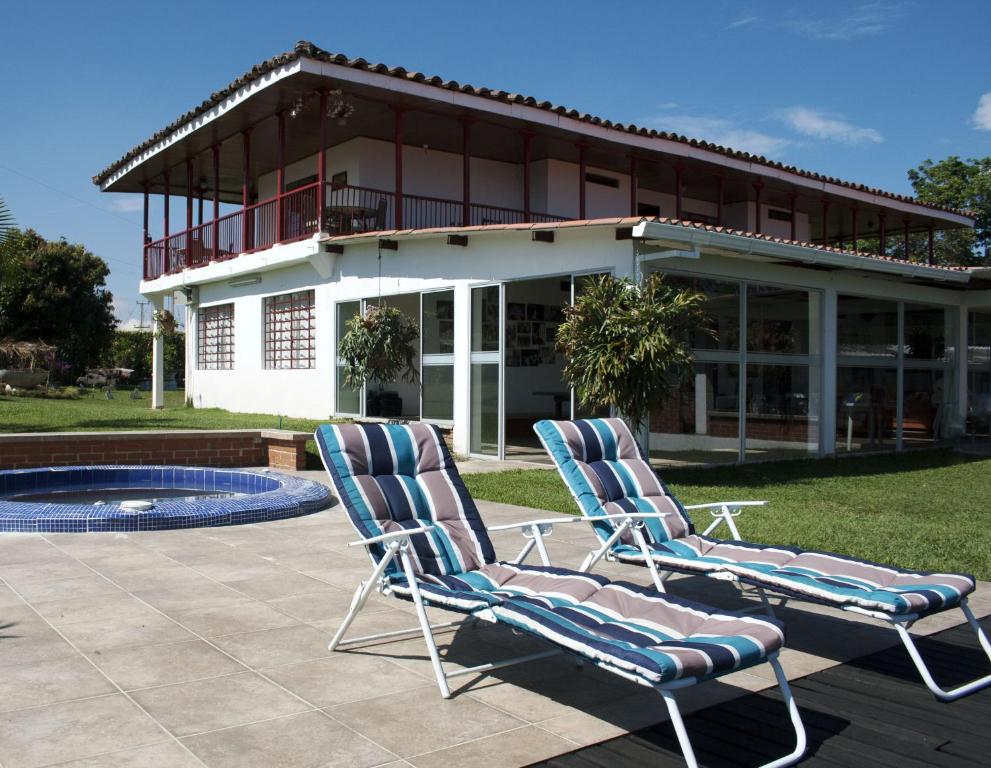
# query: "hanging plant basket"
164,322
379,346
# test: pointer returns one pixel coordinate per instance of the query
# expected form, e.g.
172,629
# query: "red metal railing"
293,216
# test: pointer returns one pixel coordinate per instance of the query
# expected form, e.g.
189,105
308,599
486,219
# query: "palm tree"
6,220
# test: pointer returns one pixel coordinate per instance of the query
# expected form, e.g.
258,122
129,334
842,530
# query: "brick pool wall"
278,449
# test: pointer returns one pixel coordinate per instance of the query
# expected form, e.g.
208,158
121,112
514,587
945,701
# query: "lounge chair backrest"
391,476
601,464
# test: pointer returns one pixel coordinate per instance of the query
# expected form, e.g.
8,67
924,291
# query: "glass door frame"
434,359
495,357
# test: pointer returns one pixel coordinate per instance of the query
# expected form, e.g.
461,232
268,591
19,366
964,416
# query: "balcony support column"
216,202
678,208
245,189
882,235
825,222
398,111
465,172
280,175
189,212
165,211
322,161
144,218
793,200
853,228
581,180
758,188
634,203
527,138
908,241
932,245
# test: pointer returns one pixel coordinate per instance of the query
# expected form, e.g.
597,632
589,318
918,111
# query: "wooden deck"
870,712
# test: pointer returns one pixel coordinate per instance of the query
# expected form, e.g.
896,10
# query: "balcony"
293,216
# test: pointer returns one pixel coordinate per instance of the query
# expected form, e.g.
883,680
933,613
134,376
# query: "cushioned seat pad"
657,637
492,584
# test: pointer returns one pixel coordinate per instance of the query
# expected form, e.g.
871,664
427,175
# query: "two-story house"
316,184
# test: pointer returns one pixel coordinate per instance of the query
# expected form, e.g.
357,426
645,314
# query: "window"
348,400
605,181
290,330
215,338
437,355
776,214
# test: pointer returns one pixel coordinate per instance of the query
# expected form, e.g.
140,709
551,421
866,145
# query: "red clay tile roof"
628,221
306,49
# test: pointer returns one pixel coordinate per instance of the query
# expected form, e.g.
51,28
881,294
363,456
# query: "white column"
157,357
462,366
827,405
191,341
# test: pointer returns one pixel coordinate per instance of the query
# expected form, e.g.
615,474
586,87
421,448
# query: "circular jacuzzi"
140,498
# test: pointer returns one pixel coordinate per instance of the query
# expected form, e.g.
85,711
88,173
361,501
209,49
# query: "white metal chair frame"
725,513
397,545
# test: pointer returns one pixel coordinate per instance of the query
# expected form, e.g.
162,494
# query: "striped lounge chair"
603,467
428,544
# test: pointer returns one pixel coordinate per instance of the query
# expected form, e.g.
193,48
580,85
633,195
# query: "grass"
925,510
93,412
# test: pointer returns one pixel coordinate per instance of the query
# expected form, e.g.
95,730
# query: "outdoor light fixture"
237,282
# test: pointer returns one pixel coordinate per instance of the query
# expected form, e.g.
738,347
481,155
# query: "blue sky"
861,91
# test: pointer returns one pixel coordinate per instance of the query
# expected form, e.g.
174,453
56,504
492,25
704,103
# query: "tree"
378,346
58,294
132,349
627,344
957,183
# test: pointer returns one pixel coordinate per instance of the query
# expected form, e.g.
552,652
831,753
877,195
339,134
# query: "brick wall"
234,448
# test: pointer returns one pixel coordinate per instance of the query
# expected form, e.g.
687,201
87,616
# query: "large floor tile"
76,588
426,725
246,615
307,740
273,587
25,638
151,665
168,754
48,681
345,677
504,750
270,647
140,628
72,730
221,702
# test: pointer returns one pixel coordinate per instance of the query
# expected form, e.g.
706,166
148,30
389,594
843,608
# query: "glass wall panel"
782,411
438,323
722,311
438,392
979,373
484,409
926,334
866,327
485,319
778,320
928,399
700,422
348,400
866,410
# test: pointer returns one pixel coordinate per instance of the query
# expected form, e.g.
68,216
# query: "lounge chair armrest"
403,534
530,523
625,516
733,507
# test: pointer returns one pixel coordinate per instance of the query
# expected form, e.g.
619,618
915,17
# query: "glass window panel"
925,333
438,323
484,409
700,421
485,319
348,400
782,403
928,400
722,310
866,327
866,408
438,392
979,373
778,320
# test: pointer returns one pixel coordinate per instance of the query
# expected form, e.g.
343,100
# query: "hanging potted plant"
380,347
164,322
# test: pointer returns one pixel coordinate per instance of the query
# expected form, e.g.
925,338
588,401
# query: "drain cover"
136,506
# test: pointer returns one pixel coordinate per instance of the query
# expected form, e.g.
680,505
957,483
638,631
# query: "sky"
859,91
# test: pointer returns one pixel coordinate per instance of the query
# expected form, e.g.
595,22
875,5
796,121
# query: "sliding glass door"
485,395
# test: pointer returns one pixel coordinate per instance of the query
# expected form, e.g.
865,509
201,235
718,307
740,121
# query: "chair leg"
796,721
361,596
421,613
923,669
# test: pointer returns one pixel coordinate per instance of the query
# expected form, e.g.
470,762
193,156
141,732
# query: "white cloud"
863,21
743,21
668,105
818,125
982,115
721,131
127,203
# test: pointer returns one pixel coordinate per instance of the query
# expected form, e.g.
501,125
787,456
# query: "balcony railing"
293,216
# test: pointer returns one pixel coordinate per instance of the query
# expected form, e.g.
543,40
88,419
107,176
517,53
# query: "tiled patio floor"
209,647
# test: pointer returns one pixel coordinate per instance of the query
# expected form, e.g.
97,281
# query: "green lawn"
93,412
922,510
926,510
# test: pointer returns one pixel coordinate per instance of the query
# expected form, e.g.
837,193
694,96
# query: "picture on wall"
515,311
